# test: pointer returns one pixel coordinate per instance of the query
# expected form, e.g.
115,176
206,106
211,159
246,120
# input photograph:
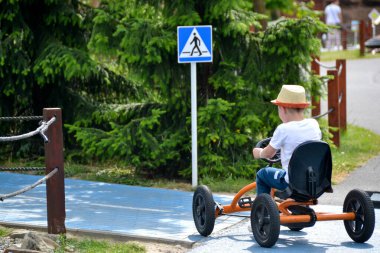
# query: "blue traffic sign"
194,44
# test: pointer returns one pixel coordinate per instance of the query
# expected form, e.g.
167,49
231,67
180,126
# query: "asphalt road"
363,93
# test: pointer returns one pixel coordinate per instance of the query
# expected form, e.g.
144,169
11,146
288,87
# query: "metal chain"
21,118
325,66
22,169
40,130
40,181
340,69
323,114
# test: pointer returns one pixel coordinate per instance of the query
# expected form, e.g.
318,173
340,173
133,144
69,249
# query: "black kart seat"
310,169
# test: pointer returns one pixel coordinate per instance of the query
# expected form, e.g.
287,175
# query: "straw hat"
292,96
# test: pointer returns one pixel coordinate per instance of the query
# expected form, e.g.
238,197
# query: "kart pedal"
219,207
245,202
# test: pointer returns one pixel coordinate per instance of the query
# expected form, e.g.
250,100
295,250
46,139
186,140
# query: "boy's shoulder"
293,124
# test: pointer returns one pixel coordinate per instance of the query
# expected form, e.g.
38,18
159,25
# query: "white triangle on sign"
195,47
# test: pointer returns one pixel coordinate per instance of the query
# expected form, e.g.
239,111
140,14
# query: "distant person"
333,14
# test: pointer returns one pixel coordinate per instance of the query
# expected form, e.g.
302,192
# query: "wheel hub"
261,221
198,210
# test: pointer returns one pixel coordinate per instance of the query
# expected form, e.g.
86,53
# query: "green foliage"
247,72
223,130
306,9
288,47
134,135
283,5
45,62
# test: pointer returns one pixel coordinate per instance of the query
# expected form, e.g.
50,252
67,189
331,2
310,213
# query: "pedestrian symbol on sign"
195,41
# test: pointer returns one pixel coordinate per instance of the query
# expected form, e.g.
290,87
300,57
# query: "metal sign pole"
373,30
194,139
194,44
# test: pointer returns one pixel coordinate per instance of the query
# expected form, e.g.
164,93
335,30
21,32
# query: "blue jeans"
268,178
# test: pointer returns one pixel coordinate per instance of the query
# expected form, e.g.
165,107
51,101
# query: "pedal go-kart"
309,171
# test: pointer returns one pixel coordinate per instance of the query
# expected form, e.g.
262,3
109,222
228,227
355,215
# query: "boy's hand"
267,152
256,153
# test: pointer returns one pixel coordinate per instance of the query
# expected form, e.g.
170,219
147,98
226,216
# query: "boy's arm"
267,152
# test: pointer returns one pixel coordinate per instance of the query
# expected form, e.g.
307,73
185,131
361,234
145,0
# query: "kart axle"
286,219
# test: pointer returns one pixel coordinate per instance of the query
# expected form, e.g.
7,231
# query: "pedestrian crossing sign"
374,15
194,44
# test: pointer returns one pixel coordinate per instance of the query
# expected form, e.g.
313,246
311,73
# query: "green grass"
4,231
88,245
228,185
358,145
96,246
120,175
346,54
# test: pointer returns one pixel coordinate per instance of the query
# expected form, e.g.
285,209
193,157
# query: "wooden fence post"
344,38
333,102
342,93
55,186
362,31
315,100
368,33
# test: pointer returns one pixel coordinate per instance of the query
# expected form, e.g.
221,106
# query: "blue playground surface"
140,212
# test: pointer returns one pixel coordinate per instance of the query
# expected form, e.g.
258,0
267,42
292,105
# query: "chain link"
26,118
324,114
22,169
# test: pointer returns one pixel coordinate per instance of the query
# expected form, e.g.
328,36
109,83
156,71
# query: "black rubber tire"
360,229
203,210
265,220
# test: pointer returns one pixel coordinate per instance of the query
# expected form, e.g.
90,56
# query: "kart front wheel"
265,220
360,229
203,210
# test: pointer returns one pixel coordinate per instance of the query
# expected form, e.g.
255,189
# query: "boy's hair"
297,110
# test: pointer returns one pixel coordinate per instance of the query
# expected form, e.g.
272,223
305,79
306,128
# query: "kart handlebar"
276,158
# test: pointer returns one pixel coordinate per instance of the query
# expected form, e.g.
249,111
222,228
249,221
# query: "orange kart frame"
286,217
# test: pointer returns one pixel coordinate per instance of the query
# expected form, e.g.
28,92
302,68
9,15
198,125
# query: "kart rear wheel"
360,229
265,220
203,210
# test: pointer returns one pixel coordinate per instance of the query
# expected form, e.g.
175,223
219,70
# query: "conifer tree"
45,62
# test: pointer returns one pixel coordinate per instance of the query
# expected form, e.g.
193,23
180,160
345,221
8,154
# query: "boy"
294,130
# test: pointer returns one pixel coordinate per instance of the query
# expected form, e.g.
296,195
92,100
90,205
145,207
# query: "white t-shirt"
332,13
288,136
